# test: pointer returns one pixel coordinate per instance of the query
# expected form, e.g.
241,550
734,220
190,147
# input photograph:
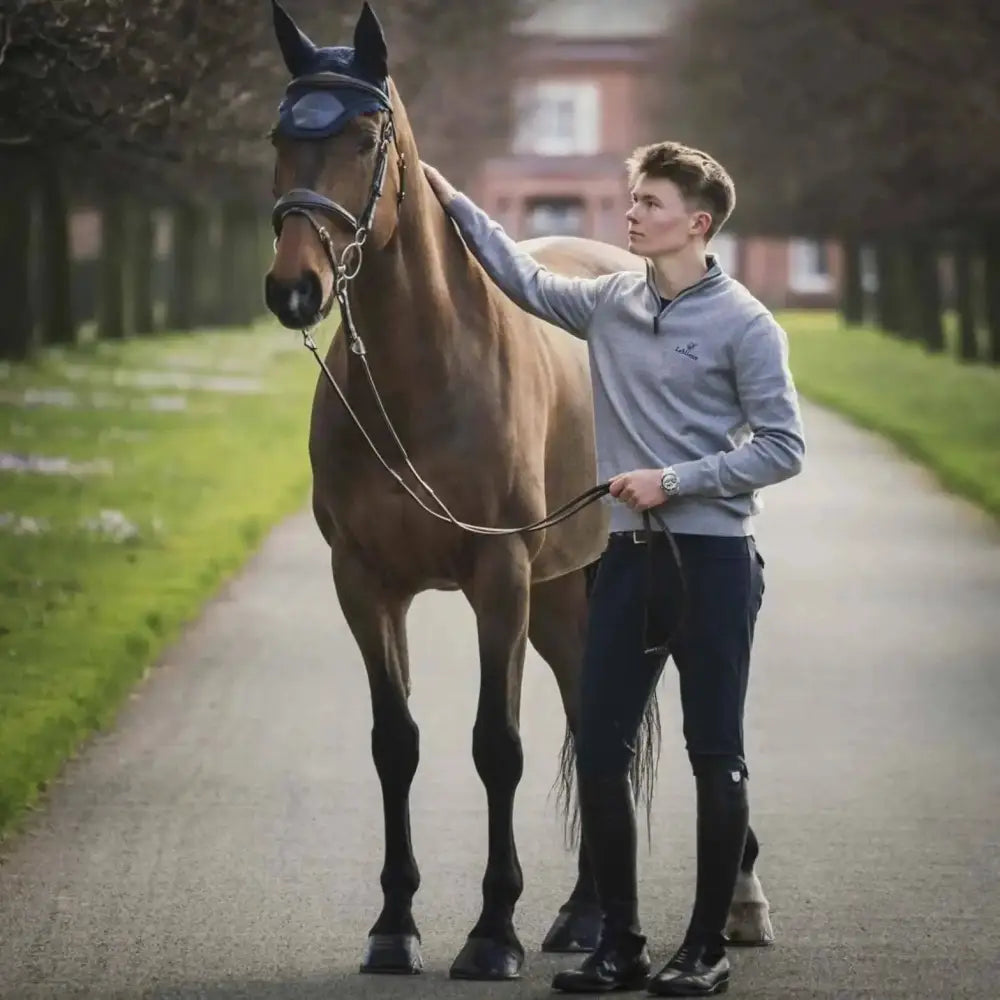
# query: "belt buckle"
638,537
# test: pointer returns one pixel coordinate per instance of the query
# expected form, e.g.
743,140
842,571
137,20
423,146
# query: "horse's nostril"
295,302
310,293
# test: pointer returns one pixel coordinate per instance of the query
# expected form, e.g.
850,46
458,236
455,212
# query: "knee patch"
711,763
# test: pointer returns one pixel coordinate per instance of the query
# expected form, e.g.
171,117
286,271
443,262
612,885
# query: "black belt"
646,536
637,537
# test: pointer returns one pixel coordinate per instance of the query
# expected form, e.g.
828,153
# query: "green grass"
939,411
83,615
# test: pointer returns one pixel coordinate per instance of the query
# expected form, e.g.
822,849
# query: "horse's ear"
370,50
296,48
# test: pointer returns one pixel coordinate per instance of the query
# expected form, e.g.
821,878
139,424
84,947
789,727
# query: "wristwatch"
669,482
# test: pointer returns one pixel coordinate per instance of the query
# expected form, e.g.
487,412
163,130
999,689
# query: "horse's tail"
645,760
642,771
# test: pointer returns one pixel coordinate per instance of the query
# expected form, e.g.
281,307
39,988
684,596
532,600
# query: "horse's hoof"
482,958
576,929
749,922
392,955
749,926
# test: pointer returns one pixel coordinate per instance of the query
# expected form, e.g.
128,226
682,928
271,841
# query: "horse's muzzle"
297,304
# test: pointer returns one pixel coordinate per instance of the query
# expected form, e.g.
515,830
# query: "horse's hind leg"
557,629
377,622
498,592
749,921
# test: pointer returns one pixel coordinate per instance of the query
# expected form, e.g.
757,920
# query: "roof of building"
600,19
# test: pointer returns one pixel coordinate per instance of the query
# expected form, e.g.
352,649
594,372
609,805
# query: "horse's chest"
391,530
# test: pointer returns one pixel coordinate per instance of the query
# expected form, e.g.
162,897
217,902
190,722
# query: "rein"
303,201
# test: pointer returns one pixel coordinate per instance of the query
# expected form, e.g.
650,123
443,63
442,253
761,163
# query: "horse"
438,395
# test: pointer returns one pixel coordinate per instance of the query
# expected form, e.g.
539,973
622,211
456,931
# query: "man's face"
659,221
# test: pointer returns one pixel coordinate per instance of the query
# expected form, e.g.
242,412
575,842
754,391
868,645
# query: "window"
723,248
558,119
554,217
809,267
506,215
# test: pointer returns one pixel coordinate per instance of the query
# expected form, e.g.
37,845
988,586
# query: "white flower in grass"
19,524
49,397
51,465
122,434
113,525
161,404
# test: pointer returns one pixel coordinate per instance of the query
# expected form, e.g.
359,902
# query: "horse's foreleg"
378,625
498,593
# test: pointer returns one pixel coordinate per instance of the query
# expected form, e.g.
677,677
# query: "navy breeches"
713,630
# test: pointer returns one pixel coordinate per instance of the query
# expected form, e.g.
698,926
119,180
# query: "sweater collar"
713,273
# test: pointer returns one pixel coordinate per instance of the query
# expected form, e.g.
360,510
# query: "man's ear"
700,224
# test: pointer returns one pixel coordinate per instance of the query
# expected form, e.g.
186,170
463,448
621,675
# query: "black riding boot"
700,966
620,961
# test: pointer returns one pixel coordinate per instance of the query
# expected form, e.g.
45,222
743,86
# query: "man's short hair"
701,180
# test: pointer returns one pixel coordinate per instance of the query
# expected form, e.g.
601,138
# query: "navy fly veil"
316,108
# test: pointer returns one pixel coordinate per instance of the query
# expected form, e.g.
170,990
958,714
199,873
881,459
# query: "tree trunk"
56,286
208,270
111,322
908,280
142,268
889,303
234,268
992,281
965,303
852,299
183,251
17,340
925,295
252,275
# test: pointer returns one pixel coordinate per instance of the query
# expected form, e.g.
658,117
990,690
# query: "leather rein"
305,202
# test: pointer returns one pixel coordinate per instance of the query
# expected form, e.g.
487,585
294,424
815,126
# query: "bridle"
306,202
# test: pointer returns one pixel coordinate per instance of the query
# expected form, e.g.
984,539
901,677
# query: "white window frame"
723,247
558,118
803,274
579,209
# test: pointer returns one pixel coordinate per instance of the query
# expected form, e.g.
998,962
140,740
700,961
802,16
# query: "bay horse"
493,407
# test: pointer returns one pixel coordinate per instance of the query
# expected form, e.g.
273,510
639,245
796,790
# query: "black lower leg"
723,814
493,950
395,750
499,761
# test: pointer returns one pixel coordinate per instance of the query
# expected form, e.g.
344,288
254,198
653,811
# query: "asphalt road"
225,839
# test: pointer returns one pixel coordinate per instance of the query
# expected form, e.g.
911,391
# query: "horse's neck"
422,298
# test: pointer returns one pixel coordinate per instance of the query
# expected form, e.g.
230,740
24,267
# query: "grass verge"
937,410
135,478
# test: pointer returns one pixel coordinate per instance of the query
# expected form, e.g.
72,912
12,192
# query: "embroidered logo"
688,351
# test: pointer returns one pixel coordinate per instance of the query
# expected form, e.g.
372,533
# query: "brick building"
578,105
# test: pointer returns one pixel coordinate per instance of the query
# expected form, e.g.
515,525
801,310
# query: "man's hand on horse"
640,489
443,188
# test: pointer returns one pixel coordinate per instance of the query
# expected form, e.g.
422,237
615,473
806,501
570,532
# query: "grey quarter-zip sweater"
700,383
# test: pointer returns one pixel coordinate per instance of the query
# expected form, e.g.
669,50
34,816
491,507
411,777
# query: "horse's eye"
367,144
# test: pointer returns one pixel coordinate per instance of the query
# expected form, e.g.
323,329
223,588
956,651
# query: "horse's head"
338,177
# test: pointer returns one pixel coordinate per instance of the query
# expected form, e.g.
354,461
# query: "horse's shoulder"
576,256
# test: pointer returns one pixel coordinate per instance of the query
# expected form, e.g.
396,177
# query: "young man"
695,411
